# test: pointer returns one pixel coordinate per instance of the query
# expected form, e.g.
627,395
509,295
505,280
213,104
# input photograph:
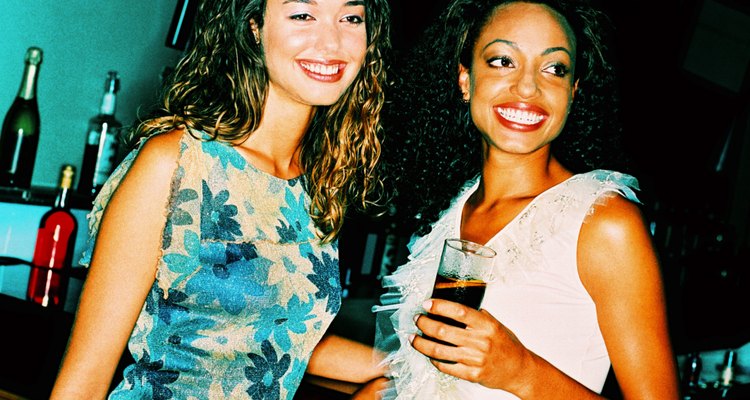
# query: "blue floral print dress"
244,288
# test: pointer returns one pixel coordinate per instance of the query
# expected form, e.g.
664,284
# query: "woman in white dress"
509,127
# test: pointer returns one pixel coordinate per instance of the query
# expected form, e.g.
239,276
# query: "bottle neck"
62,198
109,101
66,182
28,84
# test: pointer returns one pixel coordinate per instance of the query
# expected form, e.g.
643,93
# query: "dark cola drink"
467,292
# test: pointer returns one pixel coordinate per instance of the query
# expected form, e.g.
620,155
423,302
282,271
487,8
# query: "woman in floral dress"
213,252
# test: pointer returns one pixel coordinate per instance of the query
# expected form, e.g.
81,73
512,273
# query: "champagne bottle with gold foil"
20,132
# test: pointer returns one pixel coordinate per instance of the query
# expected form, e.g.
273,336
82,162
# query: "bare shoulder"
135,214
163,147
612,218
152,168
614,243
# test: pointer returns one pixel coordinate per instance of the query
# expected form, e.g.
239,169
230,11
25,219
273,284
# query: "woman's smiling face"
314,49
520,83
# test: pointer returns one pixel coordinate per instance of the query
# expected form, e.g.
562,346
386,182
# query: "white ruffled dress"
538,294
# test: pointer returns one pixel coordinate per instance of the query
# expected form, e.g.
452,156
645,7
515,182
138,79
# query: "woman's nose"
526,85
328,37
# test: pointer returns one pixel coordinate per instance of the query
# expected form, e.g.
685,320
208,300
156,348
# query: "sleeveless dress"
537,292
244,288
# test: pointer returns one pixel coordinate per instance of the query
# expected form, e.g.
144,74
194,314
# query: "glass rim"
474,248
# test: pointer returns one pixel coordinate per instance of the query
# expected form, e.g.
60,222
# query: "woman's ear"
256,31
575,89
464,82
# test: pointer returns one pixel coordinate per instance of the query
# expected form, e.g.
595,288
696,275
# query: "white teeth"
321,69
520,116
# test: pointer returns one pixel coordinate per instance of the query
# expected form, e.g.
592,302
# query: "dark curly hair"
220,87
433,147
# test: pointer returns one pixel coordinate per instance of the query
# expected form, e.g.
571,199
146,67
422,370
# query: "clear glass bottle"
20,132
53,253
102,141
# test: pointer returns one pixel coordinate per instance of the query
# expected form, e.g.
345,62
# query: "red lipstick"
519,116
323,71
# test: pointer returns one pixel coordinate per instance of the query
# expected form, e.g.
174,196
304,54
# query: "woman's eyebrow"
515,46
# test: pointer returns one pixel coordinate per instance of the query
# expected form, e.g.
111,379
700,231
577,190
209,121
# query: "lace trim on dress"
406,289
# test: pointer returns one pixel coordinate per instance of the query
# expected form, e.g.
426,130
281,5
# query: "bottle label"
52,240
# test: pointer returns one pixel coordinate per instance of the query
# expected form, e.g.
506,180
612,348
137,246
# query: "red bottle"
53,253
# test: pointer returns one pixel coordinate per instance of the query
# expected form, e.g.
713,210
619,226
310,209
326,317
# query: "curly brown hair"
433,146
220,87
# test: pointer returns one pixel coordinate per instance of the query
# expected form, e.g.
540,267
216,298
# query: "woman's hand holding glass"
485,352
461,339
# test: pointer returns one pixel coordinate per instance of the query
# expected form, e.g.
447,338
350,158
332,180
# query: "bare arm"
619,267
339,358
122,271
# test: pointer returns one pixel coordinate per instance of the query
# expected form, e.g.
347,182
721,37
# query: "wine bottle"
181,27
102,141
53,252
20,134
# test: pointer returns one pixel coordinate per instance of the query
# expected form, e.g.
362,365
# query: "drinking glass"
465,269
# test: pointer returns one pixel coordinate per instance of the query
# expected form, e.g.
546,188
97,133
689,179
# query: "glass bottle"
691,376
20,132
727,371
102,141
726,378
53,252
181,27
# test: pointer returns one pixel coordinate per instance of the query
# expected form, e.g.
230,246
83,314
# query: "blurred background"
685,87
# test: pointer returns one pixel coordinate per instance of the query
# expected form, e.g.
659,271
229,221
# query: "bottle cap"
33,55
66,176
112,83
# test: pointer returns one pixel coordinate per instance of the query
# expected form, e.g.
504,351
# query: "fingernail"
427,305
416,317
411,338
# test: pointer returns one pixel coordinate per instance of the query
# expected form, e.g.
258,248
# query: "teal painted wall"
82,40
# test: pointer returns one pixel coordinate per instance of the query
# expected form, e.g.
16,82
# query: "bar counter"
33,340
